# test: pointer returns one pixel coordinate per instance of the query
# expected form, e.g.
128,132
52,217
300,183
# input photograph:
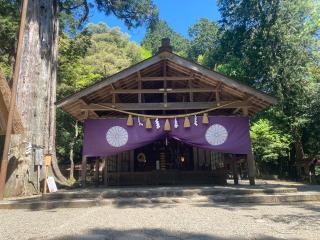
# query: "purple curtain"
105,137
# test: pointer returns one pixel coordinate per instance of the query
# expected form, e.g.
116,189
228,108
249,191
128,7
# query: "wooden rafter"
162,90
165,78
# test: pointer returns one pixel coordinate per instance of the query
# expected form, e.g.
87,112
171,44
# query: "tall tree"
37,82
160,29
271,45
204,40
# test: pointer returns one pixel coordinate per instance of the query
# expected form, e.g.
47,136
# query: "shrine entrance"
165,162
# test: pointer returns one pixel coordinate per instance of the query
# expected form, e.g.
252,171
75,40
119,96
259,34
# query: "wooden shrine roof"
165,83
5,95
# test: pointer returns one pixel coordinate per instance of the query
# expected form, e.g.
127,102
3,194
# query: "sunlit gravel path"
160,221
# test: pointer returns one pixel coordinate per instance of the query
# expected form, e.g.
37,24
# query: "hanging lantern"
186,123
167,125
148,123
130,121
205,119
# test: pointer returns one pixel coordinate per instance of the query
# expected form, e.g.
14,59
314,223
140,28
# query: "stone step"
284,198
218,199
160,192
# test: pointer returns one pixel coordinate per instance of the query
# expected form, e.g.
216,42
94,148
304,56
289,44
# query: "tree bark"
36,96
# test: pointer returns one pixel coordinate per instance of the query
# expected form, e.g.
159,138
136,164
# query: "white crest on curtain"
117,136
216,134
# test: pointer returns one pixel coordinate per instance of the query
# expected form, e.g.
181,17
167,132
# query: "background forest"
270,45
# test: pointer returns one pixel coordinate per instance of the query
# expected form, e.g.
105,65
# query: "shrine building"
167,121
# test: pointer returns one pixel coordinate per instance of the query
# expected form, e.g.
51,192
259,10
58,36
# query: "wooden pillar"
195,159
131,159
105,172
96,172
235,172
119,162
84,171
250,158
201,158
251,167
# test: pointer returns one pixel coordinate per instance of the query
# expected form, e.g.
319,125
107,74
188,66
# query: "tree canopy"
204,41
159,30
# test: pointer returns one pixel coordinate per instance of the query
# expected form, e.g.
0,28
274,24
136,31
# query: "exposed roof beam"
167,78
161,106
163,90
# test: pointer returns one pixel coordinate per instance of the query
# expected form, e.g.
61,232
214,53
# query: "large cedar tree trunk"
36,96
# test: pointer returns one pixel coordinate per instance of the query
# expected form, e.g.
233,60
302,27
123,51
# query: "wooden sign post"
47,162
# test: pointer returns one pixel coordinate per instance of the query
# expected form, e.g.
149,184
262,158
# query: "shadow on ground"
161,197
159,234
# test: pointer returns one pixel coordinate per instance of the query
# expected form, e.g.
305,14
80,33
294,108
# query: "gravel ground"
179,221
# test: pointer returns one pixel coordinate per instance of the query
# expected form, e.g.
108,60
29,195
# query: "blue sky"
180,14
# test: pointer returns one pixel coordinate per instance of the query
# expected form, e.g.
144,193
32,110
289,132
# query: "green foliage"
111,50
269,143
274,46
205,40
71,70
159,30
312,131
133,12
9,21
75,13
65,135
96,52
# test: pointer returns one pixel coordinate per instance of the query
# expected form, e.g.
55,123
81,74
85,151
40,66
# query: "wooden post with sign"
47,162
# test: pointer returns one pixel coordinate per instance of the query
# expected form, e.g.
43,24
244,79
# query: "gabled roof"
75,102
5,95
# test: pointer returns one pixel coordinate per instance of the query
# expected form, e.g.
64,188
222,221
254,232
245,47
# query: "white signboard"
52,184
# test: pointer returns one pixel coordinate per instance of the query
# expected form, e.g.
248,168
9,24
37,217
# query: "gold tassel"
186,123
205,119
130,121
167,125
148,123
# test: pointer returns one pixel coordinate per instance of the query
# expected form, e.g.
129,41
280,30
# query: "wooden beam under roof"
162,90
166,78
162,106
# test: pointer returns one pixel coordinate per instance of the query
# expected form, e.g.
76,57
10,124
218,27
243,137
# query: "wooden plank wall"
206,159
